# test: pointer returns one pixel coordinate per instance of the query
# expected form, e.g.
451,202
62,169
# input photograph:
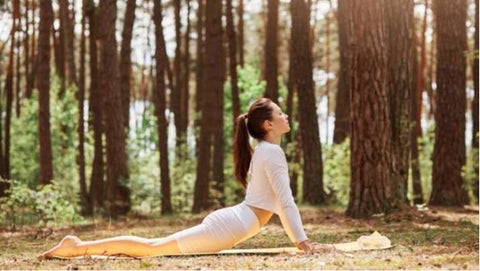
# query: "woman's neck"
273,139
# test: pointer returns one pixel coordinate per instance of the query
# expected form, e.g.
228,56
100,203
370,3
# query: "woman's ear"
267,125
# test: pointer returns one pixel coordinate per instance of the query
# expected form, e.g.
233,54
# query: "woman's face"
279,122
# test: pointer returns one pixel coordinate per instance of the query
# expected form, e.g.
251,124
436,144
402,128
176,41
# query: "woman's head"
263,116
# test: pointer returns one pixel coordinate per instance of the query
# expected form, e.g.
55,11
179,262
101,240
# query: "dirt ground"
437,238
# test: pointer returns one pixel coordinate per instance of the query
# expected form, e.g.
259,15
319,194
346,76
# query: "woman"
267,192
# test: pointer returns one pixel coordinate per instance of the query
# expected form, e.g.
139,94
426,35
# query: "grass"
439,238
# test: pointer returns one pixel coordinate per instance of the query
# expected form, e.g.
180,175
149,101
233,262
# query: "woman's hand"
304,245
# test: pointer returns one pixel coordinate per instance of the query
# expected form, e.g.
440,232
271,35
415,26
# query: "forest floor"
437,238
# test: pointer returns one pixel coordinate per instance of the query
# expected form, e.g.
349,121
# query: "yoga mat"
374,241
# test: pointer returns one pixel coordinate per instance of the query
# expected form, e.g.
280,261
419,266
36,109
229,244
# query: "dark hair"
249,123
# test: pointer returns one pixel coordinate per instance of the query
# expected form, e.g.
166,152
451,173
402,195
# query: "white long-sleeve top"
269,188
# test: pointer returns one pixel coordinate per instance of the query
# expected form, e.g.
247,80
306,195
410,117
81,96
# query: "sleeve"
277,171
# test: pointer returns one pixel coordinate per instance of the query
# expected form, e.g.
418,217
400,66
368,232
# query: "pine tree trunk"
232,57
159,100
96,101
18,74
313,192
414,155
26,46
43,83
66,30
241,58
84,196
9,95
400,84
126,62
475,105
449,148
185,95
370,161
271,51
199,74
342,107
175,95
118,194
210,162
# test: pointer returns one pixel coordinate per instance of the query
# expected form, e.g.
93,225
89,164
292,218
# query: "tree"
271,51
126,62
199,69
118,194
302,61
159,101
449,147
232,57
43,84
400,84
475,103
241,58
96,100
210,157
342,107
85,200
370,162
67,41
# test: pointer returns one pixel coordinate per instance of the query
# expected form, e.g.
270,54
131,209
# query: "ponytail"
242,151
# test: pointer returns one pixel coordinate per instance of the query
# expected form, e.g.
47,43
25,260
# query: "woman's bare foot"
63,249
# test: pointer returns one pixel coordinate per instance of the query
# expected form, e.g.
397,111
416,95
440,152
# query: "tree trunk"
342,107
96,101
18,75
400,74
210,162
43,83
118,194
312,152
175,94
126,62
232,56
370,161
66,30
84,196
414,159
159,101
449,148
271,51
431,72
199,74
475,105
241,57
9,95
185,94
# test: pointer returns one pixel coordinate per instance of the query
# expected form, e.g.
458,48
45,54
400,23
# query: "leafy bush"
46,204
336,172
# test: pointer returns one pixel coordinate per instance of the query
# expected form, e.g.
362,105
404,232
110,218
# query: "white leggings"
221,229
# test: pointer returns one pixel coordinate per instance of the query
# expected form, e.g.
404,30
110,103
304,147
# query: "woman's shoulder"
265,147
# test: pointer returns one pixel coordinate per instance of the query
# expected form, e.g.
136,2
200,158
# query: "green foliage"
48,203
425,148
470,173
336,172
24,144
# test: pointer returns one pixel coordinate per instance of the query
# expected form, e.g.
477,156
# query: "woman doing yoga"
267,192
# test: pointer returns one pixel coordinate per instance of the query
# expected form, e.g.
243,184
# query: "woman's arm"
277,172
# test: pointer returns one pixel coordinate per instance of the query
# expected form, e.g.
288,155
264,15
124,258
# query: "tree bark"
176,92
210,162
159,101
199,74
475,105
18,74
342,107
118,194
313,192
271,51
84,196
400,84
241,57
370,161
96,118
66,30
43,83
449,148
232,57
414,155
126,62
